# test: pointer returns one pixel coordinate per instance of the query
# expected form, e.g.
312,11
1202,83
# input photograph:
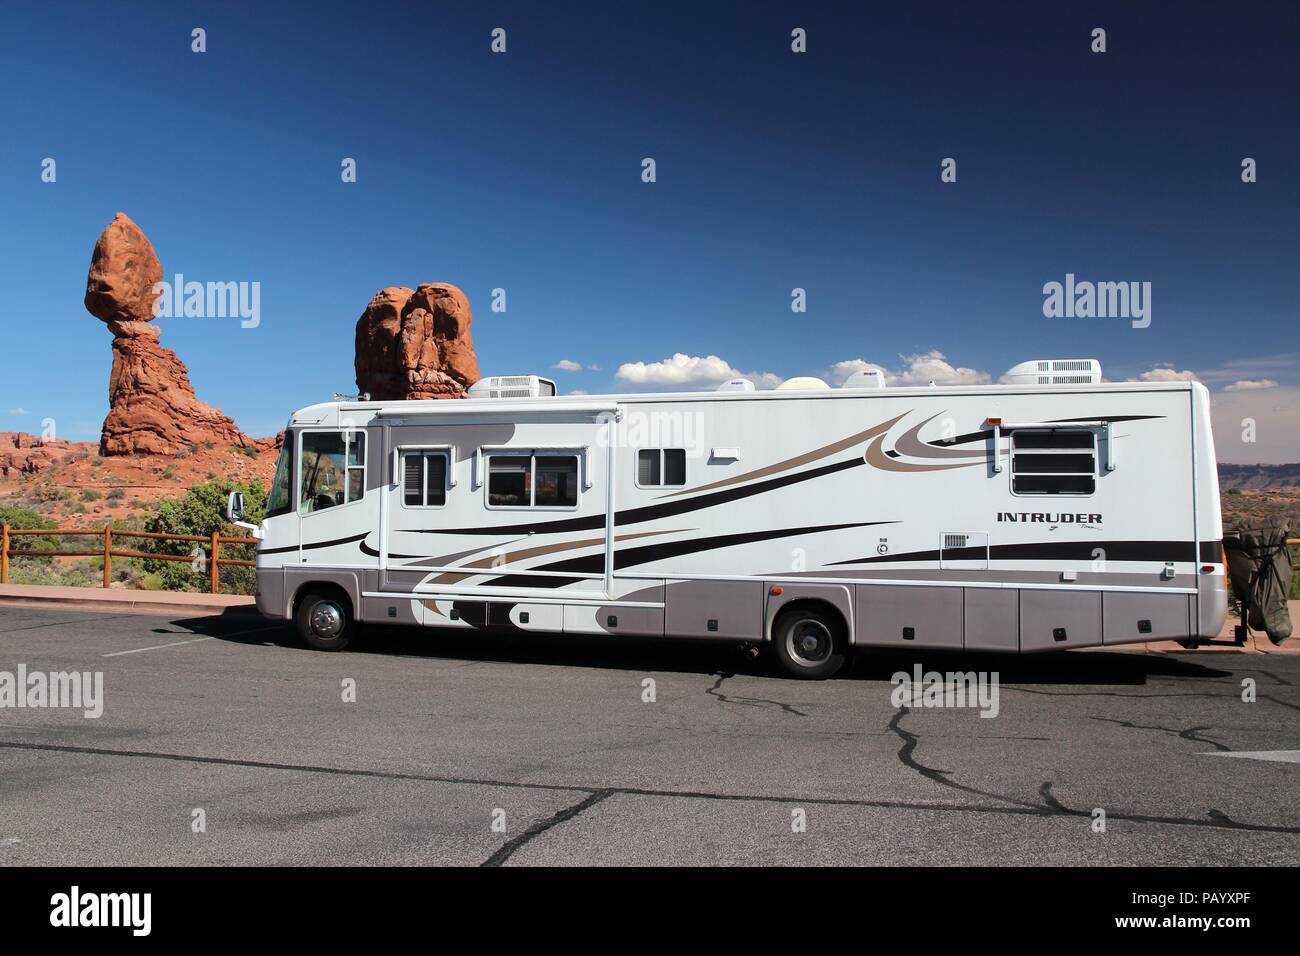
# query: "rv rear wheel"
809,643
324,622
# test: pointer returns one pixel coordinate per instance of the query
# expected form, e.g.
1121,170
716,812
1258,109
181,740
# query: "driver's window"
333,469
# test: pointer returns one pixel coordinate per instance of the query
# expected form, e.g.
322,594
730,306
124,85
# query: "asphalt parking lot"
488,749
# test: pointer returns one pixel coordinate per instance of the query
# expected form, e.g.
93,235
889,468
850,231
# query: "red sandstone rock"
416,344
23,454
153,408
123,271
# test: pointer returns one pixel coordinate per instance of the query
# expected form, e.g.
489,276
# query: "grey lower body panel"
942,616
1011,619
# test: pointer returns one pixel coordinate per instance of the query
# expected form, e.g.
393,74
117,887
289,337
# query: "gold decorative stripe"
815,455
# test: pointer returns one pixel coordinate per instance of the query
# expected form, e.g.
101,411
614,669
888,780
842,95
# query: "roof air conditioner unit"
737,385
1054,372
512,386
867,378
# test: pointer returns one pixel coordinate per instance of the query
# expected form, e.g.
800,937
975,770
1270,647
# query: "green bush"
87,573
90,494
25,519
201,511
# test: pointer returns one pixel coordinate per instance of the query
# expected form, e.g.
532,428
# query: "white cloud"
922,369
577,391
19,411
1166,375
1251,385
568,365
683,369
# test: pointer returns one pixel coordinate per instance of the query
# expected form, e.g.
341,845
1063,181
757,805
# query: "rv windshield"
279,500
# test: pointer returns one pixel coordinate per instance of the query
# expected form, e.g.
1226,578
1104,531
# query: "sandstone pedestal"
153,408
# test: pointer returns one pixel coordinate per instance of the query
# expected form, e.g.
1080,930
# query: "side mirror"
235,506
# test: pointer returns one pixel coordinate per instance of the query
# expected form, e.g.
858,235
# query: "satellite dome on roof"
802,383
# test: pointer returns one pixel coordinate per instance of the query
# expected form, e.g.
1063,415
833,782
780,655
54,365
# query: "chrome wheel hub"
327,620
809,642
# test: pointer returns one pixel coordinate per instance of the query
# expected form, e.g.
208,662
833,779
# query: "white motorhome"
1054,511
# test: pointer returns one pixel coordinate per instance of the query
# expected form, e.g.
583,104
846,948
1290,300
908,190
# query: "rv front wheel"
808,643
324,622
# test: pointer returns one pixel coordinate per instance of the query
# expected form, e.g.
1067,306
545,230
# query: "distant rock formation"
1259,477
153,408
24,454
415,344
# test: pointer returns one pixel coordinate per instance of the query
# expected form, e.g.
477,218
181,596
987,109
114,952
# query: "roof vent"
867,378
1054,372
513,386
737,385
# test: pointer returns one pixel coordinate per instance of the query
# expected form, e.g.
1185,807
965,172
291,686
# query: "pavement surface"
501,749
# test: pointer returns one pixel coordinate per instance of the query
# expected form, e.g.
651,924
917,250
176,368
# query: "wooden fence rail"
106,551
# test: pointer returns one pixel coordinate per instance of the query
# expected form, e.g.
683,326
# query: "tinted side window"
657,467
424,479
1054,462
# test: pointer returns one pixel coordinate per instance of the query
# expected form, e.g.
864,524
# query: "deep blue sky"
775,170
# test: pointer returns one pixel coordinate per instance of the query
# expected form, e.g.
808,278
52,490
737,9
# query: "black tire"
809,643
324,622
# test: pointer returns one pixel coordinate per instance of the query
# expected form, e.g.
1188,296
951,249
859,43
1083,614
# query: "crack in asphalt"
1216,818
1103,693
1281,703
1021,809
509,848
1191,733
906,756
749,701
1051,806
32,627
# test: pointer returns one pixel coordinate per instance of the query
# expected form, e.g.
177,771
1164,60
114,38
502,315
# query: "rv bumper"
1213,603
270,593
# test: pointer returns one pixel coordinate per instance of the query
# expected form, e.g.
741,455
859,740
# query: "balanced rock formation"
416,344
153,408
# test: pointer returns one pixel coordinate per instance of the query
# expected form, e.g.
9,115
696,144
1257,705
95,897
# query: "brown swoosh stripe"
910,444
493,561
878,459
815,455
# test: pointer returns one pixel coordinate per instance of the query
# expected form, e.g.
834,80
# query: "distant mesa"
152,406
415,344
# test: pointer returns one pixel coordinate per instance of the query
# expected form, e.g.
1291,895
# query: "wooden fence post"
108,555
216,544
4,555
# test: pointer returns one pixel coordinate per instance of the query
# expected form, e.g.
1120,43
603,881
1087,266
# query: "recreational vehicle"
1052,511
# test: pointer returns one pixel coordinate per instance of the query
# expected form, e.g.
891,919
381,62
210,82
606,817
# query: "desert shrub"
117,494
27,519
90,494
201,511
81,574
